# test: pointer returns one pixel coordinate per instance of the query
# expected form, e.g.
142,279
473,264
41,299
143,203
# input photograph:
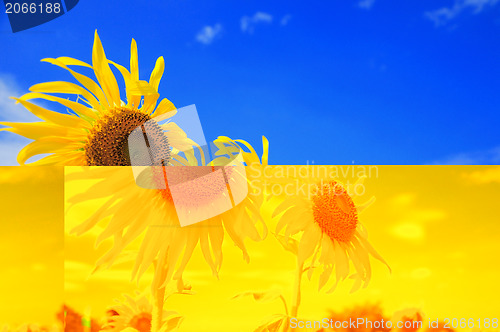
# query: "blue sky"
364,82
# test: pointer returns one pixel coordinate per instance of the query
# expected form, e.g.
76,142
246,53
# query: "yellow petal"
98,215
315,256
205,249
361,207
46,145
101,189
54,117
363,256
249,157
104,74
132,100
156,238
121,219
372,250
134,61
154,82
294,201
157,73
296,221
324,277
327,251
159,278
74,158
355,259
178,139
265,153
237,238
165,106
308,242
36,130
177,247
141,88
150,103
357,283
138,228
73,62
66,87
87,82
341,261
124,71
191,243
216,234
78,108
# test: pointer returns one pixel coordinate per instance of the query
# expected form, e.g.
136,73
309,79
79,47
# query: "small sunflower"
410,319
132,211
368,312
328,220
96,130
137,313
74,321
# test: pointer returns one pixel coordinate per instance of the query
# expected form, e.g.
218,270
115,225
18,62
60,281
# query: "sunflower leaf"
260,296
288,243
272,323
172,324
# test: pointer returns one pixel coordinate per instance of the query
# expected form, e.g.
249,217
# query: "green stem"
296,291
284,304
157,318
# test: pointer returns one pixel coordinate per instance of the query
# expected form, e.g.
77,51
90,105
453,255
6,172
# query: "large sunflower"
96,130
131,210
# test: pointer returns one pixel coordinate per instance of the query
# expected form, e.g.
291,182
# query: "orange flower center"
193,186
141,322
107,141
334,211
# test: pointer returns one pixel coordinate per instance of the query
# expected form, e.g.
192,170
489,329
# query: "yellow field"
436,226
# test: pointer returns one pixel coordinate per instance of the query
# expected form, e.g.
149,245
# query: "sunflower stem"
296,291
157,318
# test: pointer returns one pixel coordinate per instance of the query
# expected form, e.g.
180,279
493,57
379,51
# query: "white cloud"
486,157
284,21
208,34
9,148
366,4
248,23
484,175
9,110
421,273
412,220
10,144
441,16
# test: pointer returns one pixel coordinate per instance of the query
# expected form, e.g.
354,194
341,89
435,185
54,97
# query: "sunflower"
129,211
368,312
74,321
137,313
95,130
410,319
322,222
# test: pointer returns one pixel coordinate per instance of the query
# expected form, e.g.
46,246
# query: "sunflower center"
334,211
141,322
107,142
194,186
